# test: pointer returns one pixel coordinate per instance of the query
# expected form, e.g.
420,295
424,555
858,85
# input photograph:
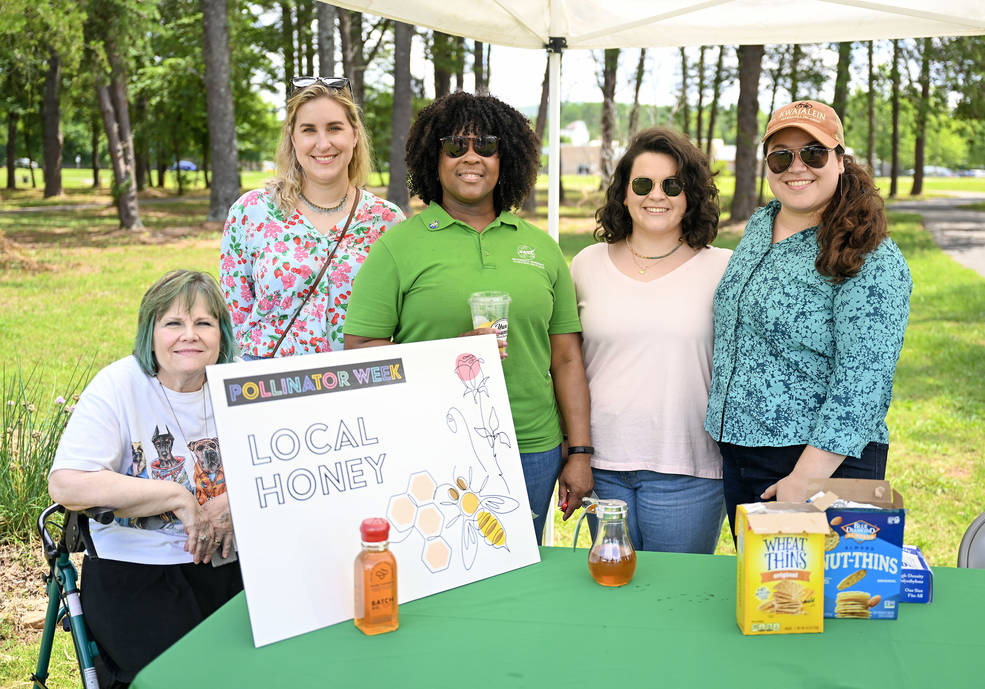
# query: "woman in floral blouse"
277,239
809,321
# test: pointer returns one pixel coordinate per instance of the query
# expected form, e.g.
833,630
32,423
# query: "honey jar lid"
374,530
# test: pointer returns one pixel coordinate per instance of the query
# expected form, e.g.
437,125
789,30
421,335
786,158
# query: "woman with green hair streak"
142,440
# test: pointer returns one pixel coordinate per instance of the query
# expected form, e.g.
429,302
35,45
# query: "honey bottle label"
379,597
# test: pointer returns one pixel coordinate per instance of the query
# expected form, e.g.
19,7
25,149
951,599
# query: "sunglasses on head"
814,155
298,83
672,186
457,146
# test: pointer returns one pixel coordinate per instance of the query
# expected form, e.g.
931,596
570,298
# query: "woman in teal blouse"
809,321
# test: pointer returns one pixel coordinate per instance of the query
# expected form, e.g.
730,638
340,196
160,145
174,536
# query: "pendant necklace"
205,415
325,209
642,267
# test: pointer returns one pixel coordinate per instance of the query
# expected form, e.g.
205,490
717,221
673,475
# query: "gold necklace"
642,267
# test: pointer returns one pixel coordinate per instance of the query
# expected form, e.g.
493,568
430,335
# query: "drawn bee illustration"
477,511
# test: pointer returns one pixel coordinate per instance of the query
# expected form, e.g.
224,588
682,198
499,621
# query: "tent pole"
554,49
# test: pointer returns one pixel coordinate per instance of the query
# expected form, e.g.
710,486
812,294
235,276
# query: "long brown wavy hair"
852,224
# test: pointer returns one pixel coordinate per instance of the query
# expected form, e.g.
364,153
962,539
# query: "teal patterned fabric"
799,359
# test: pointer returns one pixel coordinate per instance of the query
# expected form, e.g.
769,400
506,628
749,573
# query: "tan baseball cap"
817,119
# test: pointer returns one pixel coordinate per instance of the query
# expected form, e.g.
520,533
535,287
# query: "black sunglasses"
814,155
672,186
457,146
298,83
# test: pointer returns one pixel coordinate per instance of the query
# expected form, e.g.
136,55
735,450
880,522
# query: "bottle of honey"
375,580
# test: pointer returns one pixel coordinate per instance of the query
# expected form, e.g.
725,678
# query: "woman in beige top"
645,302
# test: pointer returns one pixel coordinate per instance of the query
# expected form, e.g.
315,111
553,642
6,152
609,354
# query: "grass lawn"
80,303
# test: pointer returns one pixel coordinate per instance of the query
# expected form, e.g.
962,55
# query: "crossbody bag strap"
331,255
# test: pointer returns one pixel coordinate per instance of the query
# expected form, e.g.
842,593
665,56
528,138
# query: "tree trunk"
121,105
441,58
530,204
287,44
459,63
796,53
634,114
479,68
871,107
94,144
701,95
221,113
353,62
747,131
29,150
922,106
716,92
894,76
123,192
306,43
841,79
683,106
608,124
402,106
162,168
51,127
11,149
326,39
141,158
777,75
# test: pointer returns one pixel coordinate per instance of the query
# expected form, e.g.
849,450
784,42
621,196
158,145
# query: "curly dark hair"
852,224
465,113
699,227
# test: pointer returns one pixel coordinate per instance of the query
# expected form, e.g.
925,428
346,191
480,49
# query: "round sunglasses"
672,186
814,155
457,146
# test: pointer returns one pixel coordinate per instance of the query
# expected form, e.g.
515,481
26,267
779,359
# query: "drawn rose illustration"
467,367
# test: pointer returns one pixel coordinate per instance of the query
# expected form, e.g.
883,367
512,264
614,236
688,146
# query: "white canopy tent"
556,25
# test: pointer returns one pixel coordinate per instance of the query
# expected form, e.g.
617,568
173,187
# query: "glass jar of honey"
612,558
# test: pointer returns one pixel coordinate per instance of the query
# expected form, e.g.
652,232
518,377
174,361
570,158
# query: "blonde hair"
286,186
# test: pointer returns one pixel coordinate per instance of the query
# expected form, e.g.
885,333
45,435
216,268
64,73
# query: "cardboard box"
917,580
780,568
863,549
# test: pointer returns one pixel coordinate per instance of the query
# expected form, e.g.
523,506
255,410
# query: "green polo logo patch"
526,255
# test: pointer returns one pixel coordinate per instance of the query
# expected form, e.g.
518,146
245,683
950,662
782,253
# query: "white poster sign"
419,433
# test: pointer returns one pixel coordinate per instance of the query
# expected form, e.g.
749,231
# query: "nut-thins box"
863,549
780,561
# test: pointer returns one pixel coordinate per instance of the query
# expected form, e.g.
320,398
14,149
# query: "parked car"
25,162
186,165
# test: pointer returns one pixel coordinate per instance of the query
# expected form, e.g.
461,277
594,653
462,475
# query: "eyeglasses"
672,186
298,83
457,146
815,156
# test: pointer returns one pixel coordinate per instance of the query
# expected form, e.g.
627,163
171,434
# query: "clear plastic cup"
491,310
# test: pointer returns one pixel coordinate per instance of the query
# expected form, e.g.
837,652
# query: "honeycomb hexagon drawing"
421,487
436,555
430,520
402,512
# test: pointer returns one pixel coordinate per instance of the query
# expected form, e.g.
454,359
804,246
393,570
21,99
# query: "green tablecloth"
550,625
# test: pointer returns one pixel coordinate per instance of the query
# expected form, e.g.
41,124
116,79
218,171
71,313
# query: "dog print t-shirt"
126,421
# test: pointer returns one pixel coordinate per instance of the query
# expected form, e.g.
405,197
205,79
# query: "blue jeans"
670,513
540,472
748,471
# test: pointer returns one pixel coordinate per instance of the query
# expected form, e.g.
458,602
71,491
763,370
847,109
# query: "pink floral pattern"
269,261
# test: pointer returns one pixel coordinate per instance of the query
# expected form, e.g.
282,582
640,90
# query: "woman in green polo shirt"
473,159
